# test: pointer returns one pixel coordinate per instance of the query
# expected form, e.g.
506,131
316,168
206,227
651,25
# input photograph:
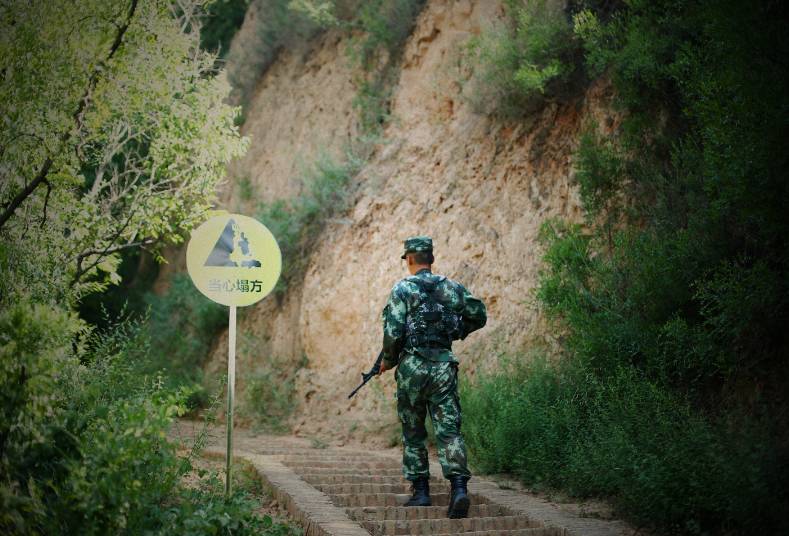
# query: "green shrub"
182,324
203,507
673,298
382,28
623,437
270,392
531,57
35,356
386,25
268,399
200,512
372,105
274,27
245,188
220,23
84,437
297,222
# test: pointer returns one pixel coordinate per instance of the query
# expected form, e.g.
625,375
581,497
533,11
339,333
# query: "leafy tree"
115,137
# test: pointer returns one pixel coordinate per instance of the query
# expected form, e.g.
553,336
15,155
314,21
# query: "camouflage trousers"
430,387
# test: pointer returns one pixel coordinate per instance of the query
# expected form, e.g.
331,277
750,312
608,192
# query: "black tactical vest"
436,320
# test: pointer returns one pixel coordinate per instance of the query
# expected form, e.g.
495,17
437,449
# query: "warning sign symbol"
233,259
232,249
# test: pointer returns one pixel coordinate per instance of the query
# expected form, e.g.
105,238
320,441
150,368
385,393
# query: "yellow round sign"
233,259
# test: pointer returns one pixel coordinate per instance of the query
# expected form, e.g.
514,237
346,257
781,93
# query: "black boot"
421,492
458,500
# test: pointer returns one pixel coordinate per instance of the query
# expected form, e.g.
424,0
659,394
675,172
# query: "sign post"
233,260
231,392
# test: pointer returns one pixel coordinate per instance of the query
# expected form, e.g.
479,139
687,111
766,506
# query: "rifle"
367,376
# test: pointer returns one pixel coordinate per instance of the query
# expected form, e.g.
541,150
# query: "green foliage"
372,105
624,437
697,289
204,509
84,447
200,512
35,352
297,222
531,57
115,115
275,26
382,28
270,391
138,271
220,23
674,296
245,188
599,172
270,388
84,437
122,145
182,325
386,25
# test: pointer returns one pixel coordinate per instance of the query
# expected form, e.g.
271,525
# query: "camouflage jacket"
468,314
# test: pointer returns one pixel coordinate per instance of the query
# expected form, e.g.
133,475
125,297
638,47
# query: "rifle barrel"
367,376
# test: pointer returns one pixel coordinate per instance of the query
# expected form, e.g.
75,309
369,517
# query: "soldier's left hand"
383,368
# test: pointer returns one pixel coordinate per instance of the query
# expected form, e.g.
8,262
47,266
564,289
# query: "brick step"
541,531
338,457
349,500
337,489
387,513
309,470
449,526
354,464
350,478
285,451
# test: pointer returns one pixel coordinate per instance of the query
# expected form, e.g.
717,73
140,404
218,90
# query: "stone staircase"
372,491
338,491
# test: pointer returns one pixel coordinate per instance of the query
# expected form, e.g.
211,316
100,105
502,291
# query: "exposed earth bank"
479,186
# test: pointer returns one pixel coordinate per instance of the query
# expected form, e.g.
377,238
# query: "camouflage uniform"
422,317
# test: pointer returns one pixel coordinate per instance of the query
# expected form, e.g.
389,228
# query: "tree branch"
26,191
78,118
46,202
110,249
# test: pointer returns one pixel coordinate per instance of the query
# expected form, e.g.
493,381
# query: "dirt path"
349,491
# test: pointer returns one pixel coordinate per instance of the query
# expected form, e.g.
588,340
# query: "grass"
270,395
622,437
182,325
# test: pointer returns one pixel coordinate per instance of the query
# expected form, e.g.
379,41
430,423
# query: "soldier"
424,314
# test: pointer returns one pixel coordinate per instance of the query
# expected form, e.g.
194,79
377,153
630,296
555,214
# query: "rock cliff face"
480,187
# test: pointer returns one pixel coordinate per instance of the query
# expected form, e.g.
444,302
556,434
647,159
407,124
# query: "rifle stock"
369,375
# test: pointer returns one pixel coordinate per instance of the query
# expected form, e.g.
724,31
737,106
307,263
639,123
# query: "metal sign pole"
231,386
233,260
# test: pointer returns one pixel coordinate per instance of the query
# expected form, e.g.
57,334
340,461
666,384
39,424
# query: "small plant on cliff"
383,26
532,57
273,27
297,222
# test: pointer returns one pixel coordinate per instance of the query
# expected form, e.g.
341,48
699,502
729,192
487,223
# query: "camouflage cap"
417,243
